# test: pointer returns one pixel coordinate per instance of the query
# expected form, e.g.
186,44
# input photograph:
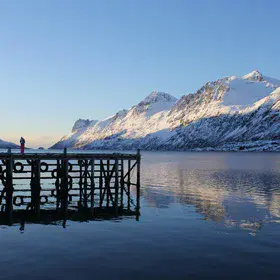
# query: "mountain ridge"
8,145
219,113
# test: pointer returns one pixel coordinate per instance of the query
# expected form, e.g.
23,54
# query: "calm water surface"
203,215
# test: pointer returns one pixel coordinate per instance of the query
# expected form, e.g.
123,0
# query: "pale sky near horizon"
64,60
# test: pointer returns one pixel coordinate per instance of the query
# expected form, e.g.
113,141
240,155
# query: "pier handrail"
69,156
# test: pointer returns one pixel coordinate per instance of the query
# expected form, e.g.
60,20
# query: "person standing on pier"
22,143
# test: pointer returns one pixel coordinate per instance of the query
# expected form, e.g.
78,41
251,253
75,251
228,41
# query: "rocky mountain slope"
233,113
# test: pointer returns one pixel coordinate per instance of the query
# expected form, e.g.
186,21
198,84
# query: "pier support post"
92,189
65,181
9,188
81,184
100,183
138,182
117,185
122,182
57,185
128,184
85,174
107,184
37,191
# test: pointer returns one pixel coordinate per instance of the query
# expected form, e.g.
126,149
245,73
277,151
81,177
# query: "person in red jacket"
22,143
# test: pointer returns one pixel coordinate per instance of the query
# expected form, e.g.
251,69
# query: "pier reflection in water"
59,218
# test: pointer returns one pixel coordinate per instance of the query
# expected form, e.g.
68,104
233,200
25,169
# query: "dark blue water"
203,215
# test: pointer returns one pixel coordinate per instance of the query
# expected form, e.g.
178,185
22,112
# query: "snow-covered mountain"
230,113
80,126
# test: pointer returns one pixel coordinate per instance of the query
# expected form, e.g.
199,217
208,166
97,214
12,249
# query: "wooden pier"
65,183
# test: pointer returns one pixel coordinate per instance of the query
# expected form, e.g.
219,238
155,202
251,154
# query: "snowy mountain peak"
80,124
121,113
157,96
255,75
154,103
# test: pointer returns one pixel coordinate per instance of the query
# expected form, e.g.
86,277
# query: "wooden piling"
85,184
81,184
57,184
122,182
9,188
116,185
108,184
138,182
92,189
128,184
37,186
65,180
100,183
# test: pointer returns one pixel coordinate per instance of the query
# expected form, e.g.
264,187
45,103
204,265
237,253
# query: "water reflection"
22,217
231,195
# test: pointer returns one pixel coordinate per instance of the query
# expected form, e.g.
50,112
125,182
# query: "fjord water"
203,215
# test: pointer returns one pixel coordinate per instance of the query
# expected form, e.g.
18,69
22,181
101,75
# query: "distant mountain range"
232,113
7,145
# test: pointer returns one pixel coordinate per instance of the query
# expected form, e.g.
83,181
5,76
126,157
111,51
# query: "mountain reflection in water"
236,193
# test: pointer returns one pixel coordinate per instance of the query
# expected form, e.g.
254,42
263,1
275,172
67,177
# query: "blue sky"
64,60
